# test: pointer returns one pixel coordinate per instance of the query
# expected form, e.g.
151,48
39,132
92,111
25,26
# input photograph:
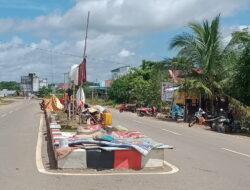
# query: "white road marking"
236,152
171,132
3,115
42,170
39,162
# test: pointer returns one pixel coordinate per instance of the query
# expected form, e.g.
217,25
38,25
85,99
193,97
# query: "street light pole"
64,86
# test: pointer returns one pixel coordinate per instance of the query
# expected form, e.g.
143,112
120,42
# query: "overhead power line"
46,50
50,51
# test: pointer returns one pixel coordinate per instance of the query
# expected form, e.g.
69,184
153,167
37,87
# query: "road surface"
206,160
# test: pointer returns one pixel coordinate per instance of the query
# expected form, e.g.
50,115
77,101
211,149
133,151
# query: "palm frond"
196,86
182,40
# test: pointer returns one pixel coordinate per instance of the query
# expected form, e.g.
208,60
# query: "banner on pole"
168,90
82,76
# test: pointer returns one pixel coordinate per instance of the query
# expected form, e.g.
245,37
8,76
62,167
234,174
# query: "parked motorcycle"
127,107
222,124
201,117
147,112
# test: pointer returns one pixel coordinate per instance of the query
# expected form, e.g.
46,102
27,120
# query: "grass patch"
66,125
3,101
68,128
103,102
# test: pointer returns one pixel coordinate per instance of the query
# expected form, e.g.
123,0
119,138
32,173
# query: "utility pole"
52,70
64,86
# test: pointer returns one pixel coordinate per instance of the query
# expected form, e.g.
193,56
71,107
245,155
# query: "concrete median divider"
98,158
75,160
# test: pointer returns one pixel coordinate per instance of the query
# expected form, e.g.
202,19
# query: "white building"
116,73
35,83
43,83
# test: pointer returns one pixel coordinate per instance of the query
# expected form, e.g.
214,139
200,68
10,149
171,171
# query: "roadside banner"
168,90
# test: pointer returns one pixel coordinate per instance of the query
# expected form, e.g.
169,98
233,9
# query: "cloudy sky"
47,37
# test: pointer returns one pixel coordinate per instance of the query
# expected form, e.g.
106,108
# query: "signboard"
168,89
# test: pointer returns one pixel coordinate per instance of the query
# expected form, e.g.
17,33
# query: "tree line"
225,67
10,85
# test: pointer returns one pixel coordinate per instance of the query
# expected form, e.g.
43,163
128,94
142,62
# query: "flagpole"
86,37
84,59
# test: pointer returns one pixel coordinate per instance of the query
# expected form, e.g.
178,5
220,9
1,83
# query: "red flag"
82,76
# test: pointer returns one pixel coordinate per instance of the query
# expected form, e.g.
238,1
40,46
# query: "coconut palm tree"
204,48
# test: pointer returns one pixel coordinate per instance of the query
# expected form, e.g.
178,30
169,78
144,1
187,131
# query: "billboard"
168,89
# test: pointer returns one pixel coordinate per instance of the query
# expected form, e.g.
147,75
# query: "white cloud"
125,53
112,23
17,59
125,16
228,30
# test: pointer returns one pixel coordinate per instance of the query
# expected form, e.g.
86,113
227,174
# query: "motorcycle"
222,124
127,107
201,117
147,112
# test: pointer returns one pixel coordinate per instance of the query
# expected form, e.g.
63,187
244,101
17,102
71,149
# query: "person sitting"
69,92
154,110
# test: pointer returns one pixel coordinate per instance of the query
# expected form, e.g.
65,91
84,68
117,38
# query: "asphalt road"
206,160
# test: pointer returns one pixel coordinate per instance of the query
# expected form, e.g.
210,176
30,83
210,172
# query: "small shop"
182,103
188,101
